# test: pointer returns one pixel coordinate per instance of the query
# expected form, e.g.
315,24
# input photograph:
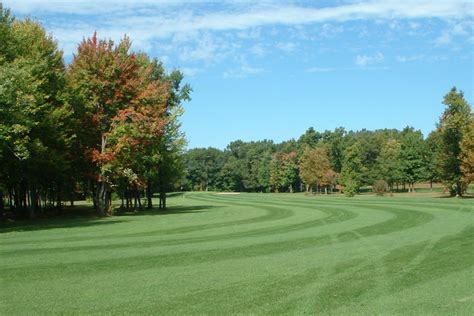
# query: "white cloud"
195,31
258,50
330,30
331,69
189,71
443,39
320,69
266,13
366,60
242,72
206,47
411,58
460,29
165,18
286,47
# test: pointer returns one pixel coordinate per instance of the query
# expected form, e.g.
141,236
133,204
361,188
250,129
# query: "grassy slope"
249,253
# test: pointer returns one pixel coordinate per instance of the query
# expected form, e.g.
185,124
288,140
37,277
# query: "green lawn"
248,254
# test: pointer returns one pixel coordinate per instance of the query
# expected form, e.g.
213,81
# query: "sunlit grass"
250,254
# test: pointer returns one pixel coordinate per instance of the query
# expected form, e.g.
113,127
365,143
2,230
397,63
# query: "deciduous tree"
453,123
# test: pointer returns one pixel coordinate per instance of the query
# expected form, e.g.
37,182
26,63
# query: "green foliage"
8,41
335,142
353,170
283,171
108,122
452,125
310,138
433,145
351,188
389,164
203,166
315,169
467,153
380,187
412,156
35,136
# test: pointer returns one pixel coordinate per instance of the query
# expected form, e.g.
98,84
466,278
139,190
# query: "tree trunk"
162,199
2,205
34,201
458,189
58,198
101,198
127,198
149,195
139,198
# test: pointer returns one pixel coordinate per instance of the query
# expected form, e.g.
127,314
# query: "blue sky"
271,69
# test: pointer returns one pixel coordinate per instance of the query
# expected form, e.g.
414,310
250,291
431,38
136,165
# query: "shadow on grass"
174,194
466,196
169,194
84,216
171,210
57,222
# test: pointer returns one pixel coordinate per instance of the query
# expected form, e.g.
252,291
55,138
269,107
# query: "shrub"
350,189
380,187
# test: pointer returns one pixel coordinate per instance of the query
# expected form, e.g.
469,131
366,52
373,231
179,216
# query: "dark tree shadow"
85,216
466,196
174,194
171,210
52,223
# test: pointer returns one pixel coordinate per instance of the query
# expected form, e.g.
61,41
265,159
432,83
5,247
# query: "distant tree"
452,126
283,171
369,144
351,187
329,180
204,167
263,172
467,153
310,138
433,147
307,169
353,169
255,158
315,169
230,176
389,163
380,187
336,143
412,159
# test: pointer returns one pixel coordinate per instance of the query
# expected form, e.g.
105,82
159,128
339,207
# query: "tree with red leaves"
120,106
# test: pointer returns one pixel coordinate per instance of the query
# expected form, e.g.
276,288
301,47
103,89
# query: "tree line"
387,159
106,125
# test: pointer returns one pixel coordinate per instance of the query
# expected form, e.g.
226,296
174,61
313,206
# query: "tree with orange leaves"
120,106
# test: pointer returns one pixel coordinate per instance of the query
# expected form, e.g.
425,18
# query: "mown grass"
248,254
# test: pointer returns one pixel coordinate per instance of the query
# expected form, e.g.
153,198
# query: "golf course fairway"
248,254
